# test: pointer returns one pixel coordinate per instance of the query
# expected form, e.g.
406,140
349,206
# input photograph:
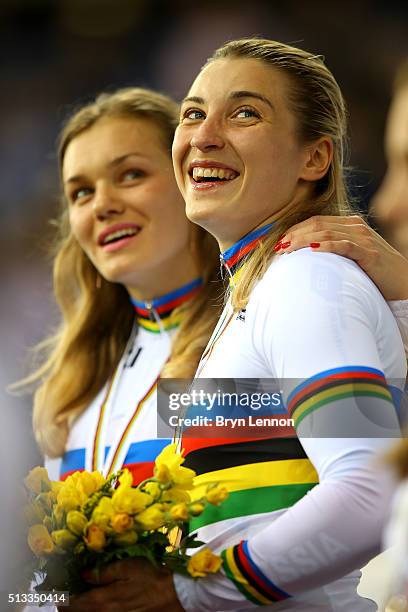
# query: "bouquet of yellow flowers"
88,521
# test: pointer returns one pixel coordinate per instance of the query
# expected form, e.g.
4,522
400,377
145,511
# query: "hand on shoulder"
352,237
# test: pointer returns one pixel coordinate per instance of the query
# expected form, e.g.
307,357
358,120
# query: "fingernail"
277,246
285,245
315,245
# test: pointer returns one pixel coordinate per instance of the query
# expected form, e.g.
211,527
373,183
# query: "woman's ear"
318,158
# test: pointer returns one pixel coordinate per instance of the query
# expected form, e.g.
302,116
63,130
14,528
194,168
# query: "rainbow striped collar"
158,315
233,258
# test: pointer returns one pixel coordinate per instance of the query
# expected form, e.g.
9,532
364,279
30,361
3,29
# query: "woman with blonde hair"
271,120
259,148
136,283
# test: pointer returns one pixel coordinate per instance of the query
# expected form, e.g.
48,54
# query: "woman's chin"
204,214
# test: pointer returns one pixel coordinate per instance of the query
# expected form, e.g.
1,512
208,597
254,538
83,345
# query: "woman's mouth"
205,177
118,238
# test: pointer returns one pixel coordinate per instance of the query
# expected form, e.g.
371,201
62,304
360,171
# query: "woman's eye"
245,113
81,192
132,174
193,114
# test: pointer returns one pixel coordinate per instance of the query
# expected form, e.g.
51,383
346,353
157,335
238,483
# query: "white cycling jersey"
306,508
119,427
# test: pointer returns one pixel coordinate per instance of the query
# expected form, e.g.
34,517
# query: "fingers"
117,570
293,242
96,599
322,222
345,248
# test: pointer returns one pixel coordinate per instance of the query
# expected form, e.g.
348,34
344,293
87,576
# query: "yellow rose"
126,539
64,538
178,475
153,489
130,501
79,548
33,513
125,479
37,480
103,513
59,514
151,518
56,486
162,473
68,498
168,468
174,494
39,540
76,522
183,477
47,522
216,495
121,522
197,508
202,563
89,482
179,512
46,500
95,538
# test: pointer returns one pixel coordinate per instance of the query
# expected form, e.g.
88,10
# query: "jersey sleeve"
318,325
399,309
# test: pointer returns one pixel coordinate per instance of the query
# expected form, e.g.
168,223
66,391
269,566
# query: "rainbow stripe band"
336,384
159,314
233,257
248,578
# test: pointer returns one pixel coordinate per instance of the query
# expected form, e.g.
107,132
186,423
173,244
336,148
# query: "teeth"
119,234
220,173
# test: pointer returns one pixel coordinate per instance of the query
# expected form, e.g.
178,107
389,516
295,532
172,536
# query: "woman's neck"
157,284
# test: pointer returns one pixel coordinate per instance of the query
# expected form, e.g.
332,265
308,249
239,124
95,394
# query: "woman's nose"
208,135
107,202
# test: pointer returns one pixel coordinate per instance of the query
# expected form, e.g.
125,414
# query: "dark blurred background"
56,54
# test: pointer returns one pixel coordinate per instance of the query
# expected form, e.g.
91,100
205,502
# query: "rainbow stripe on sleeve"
248,578
336,384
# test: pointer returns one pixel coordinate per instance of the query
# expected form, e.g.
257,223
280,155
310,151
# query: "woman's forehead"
224,77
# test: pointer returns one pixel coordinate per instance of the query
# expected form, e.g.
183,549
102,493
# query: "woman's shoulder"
318,278
311,269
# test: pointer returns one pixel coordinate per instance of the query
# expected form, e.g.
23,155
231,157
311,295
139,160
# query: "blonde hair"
317,103
83,353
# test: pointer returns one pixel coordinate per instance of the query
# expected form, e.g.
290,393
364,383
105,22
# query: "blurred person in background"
391,200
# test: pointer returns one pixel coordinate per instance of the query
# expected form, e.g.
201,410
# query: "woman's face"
237,159
391,200
125,208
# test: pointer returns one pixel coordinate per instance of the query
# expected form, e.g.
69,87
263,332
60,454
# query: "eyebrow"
112,164
235,95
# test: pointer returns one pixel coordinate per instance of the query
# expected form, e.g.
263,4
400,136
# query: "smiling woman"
122,201
273,119
136,282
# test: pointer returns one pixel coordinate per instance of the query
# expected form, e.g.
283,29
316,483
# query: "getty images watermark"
210,402
271,408
219,407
